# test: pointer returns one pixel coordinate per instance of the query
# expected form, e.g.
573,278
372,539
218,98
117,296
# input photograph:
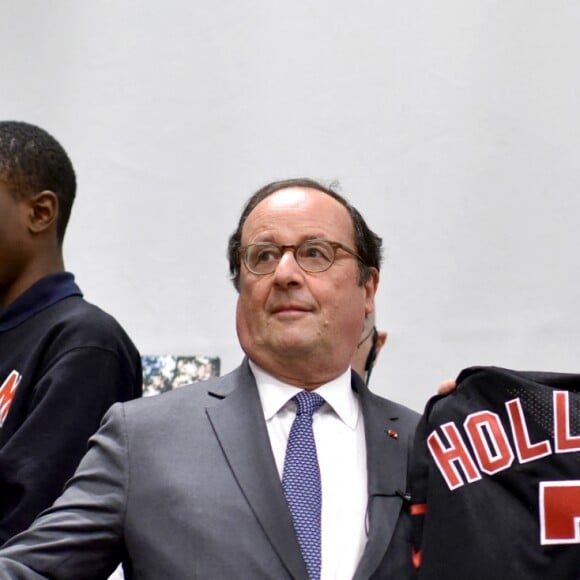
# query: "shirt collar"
44,293
274,394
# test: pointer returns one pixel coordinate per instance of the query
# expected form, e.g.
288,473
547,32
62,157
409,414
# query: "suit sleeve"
68,404
81,535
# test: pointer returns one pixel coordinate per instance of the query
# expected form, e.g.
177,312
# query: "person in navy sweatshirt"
63,361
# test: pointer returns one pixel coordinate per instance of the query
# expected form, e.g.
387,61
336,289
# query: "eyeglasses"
312,255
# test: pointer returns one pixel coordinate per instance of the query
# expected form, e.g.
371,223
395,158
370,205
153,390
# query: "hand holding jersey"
495,479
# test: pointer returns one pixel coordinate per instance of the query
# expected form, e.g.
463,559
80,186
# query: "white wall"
452,125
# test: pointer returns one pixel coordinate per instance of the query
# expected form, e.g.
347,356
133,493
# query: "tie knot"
307,402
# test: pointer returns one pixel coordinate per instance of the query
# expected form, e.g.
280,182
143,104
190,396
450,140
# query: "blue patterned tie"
301,481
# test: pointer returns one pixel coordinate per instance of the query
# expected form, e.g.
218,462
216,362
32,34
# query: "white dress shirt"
340,444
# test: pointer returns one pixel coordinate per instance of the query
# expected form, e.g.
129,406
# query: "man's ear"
42,211
381,339
371,286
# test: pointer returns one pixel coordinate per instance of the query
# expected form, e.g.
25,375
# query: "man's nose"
288,271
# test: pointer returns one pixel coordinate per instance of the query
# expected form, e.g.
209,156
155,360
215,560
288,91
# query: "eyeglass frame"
242,252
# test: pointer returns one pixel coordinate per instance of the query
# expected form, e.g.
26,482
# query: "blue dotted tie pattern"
301,481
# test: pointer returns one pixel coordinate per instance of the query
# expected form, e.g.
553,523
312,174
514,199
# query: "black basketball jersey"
495,479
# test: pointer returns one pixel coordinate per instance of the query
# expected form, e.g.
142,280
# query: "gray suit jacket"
184,486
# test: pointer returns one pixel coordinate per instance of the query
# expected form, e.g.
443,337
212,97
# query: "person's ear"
381,339
42,211
371,286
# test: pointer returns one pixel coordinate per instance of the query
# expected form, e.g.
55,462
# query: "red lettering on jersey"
7,392
565,442
447,457
526,451
559,512
489,441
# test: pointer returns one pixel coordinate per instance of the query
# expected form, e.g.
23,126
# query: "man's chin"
292,345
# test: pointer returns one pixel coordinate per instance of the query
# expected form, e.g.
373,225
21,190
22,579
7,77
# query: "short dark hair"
32,161
368,244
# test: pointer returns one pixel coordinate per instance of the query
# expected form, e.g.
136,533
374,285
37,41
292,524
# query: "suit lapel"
239,425
387,469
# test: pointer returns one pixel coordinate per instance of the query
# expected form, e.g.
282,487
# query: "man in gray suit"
194,483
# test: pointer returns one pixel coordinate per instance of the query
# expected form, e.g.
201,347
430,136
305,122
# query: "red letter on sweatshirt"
7,392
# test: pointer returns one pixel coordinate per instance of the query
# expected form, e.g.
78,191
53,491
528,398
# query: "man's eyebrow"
299,240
